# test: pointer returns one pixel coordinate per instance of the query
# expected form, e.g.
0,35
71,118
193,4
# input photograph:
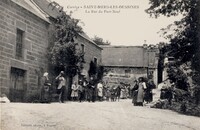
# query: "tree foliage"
63,54
100,41
184,41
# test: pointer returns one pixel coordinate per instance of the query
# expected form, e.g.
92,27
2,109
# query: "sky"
130,26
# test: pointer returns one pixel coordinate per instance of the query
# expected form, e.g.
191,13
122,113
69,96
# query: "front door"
17,86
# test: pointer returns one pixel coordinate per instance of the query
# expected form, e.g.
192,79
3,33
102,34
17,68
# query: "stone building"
23,44
25,30
125,63
92,52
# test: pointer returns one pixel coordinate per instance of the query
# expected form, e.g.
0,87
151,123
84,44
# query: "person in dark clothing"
92,90
148,92
86,90
134,92
118,93
112,94
80,92
45,91
169,95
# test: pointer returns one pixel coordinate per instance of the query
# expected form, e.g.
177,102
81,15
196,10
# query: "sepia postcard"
99,65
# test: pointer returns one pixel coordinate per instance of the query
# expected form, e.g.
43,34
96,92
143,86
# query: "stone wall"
91,51
35,43
127,75
133,73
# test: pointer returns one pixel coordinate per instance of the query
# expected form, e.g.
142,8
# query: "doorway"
17,85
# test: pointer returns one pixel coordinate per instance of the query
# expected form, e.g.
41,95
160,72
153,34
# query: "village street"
120,115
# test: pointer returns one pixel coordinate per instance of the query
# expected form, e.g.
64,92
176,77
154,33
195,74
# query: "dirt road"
92,116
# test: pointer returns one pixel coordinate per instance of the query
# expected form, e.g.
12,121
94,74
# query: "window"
95,61
19,44
82,48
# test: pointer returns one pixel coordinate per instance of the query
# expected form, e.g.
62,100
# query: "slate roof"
26,4
88,38
54,12
44,5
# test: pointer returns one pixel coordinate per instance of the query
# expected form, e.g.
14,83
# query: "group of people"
45,89
91,91
87,91
82,90
142,92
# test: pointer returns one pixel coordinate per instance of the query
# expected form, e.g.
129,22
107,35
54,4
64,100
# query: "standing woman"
85,86
135,92
45,93
74,93
148,93
80,91
140,95
92,89
100,91
61,86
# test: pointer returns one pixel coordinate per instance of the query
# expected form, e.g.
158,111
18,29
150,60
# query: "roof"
83,35
127,56
45,6
26,4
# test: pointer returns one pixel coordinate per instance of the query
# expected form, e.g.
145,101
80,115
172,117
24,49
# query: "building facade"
127,63
92,52
23,44
25,30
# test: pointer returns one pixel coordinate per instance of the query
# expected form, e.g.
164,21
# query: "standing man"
61,86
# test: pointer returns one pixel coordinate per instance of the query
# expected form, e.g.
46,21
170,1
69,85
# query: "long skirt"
148,97
134,95
74,93
45,94
140,95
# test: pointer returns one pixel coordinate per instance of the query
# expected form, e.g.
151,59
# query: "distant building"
130,62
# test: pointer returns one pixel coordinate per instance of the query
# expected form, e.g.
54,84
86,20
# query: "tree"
184,41
63,54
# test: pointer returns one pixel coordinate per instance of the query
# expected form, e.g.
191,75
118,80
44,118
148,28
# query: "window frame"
82,48
19,50
95,62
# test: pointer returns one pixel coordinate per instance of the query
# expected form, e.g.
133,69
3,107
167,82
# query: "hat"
45,74
62,72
